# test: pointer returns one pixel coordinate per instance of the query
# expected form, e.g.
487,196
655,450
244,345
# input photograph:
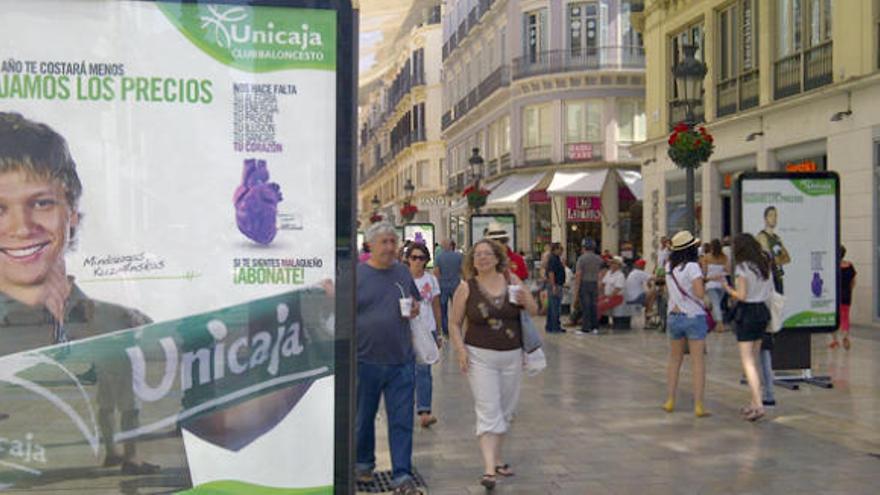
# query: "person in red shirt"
518,267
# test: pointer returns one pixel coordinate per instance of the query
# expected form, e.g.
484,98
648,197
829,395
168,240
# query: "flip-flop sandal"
488,481
504,470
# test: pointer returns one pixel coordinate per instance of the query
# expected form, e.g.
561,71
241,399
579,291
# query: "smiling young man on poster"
39,304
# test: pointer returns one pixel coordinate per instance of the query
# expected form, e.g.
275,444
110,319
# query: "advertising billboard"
795,217
483,223
168,289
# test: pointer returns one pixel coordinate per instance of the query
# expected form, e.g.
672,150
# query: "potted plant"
689,146
408,211
476,196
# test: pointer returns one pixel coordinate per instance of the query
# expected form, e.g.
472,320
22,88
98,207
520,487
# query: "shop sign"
583,209
580,151
802,166
539,197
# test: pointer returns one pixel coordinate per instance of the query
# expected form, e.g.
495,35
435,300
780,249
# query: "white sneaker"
595,331
581,332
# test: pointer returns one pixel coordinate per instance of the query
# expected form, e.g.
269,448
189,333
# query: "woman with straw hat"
686,320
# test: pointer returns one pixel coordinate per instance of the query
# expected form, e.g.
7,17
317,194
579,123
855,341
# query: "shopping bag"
424,344
775,303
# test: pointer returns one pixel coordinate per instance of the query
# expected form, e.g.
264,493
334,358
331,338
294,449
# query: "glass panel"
594,120
530,126
783,16
575,122
724,66
625,117
814,20
545,125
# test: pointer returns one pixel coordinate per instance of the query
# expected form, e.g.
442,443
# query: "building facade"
792,85
399,131
551,94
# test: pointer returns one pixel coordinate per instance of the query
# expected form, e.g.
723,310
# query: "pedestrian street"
591,423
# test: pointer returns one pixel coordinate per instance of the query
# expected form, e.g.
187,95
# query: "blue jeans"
716,296
681,326
424,388
445,297
554,310
397,384
766,362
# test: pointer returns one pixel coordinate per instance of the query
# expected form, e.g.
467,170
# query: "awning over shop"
513,188
633,181
579,183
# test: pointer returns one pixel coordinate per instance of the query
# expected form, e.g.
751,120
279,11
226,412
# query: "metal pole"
689,200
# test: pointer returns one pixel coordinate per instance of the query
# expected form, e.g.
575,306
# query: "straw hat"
683,240
497,232
617,259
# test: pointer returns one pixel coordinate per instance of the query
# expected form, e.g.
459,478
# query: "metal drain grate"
382,482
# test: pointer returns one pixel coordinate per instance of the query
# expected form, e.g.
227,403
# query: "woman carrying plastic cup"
486,333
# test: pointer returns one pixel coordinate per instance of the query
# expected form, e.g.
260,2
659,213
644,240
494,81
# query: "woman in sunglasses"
417,257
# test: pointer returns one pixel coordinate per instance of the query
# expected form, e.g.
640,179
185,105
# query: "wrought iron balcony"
554,61
536,155
446,120
803,71
738,93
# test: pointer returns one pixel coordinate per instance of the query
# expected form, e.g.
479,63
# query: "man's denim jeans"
396,383
424,388
554,310
445,298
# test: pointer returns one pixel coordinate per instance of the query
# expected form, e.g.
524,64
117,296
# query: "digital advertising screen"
795,218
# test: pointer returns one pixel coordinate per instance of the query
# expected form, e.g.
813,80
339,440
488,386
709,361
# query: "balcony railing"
494,81
534,155
678,113
462,29
804,71
550,62
738,93
473,18
493,167
505,162
446,120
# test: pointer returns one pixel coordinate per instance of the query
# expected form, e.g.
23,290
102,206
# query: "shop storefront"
540,220
728,171
583,220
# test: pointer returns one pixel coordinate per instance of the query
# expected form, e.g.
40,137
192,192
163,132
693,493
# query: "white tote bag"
775,303
423,341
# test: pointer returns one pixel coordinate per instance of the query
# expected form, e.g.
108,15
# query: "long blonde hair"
467,267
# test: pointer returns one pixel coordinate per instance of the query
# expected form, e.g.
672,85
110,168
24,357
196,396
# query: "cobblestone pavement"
591,423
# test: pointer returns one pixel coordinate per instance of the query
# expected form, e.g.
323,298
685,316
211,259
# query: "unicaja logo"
230,27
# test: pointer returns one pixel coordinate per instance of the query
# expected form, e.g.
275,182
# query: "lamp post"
408,189
476,163
689,74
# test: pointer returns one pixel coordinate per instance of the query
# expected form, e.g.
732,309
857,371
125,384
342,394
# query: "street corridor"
592,424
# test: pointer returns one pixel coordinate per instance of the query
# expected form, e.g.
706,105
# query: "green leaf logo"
258,39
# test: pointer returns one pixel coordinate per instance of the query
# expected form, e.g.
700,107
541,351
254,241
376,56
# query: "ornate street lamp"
689,147
476,195
408,210
375,217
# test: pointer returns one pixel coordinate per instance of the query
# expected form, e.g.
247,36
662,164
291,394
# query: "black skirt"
751,321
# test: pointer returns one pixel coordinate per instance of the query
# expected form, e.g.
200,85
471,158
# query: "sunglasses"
418,258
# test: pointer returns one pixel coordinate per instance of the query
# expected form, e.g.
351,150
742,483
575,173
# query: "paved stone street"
591,423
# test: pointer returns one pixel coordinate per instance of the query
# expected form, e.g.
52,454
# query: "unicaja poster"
167,246
794,218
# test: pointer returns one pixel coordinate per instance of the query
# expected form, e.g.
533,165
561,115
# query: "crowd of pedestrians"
482,301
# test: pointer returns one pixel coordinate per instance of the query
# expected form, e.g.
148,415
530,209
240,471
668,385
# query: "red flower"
698,143
681,127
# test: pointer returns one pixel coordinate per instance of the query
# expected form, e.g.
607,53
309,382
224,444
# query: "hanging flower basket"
408,211
476,198
689,146
376,218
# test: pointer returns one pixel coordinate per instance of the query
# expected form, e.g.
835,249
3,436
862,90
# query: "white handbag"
535,362
775,303
424,345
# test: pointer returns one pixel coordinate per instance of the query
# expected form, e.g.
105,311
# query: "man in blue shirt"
447,269
555,283
386,360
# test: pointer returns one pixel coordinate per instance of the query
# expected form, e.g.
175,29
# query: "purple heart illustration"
256,203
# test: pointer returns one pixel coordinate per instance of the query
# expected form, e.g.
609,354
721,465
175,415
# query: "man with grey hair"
386,361
447,269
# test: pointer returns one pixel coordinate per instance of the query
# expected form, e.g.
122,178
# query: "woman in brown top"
490,350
